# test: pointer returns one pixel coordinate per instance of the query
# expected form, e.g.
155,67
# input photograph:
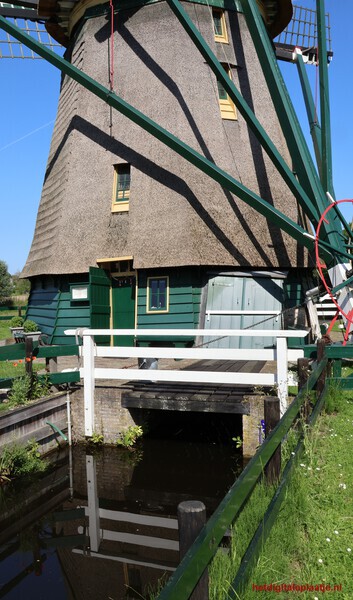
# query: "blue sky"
28,103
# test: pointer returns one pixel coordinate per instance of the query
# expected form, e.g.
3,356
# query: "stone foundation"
252,425
110,417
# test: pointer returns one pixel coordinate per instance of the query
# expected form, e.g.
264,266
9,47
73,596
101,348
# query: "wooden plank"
59,378
29,412
345,383
53,351
339,351
177,405
6,383
12,352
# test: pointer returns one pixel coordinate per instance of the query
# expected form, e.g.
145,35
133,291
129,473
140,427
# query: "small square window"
157,294
226,104
121,193
219,26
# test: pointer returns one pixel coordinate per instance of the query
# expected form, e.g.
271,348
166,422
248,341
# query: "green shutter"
100,302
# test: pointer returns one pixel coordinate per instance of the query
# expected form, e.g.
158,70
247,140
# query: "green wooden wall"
185,286
43,305
50,306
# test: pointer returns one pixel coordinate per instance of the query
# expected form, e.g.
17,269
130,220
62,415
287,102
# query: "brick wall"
110,417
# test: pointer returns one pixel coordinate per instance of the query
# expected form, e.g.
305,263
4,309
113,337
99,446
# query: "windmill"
179,189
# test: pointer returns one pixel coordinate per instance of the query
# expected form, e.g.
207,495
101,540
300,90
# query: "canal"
101,523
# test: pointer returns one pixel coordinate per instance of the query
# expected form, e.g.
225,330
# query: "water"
102,524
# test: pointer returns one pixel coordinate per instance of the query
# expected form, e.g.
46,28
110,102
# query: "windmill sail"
301,33
25,16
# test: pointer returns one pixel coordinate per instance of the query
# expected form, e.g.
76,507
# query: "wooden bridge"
195,397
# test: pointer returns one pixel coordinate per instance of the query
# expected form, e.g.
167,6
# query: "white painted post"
88,383
93,504
282,373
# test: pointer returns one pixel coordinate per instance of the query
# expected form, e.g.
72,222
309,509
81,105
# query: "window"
228,110
219,26
157,294
121,194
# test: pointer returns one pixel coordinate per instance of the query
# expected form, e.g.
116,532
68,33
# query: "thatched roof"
177,215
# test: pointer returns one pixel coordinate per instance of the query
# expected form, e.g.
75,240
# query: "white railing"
243,313
281,354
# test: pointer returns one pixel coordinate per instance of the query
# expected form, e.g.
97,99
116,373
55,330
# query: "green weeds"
128,438
18,461
23,390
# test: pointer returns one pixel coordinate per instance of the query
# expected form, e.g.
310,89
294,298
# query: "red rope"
111,65
319,265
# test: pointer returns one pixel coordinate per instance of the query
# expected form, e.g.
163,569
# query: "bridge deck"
194,397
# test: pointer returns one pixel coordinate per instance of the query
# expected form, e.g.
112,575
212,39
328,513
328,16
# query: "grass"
5,332
312,539
16,368
311,542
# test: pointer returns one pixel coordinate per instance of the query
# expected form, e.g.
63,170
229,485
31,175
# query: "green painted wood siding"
69,317
184,301
51,308
42,308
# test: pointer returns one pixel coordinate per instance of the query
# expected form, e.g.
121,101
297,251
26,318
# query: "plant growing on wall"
17,461
23,390
128,438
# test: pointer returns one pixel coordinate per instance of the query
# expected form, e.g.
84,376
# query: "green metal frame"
309,193
324,100
307,188
315,129
321,142
299,150
245,110
202,163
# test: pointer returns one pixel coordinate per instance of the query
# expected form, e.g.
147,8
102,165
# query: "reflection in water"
106,528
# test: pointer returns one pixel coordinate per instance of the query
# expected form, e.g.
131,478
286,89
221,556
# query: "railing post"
28,360
93,504
321,382
303,376
282,373
272,416
88,383
191,519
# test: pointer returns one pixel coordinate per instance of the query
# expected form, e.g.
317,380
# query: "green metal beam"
315,129
337,288
243,107
324,99
225,180
298,148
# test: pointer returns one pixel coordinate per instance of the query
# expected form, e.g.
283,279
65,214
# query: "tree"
6,286
20,286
